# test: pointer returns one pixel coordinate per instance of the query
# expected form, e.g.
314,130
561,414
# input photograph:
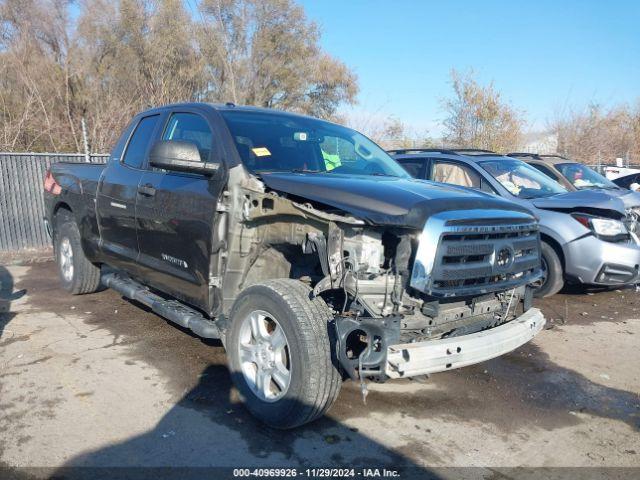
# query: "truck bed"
78,187
82,178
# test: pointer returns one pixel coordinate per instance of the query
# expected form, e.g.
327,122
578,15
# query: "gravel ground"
96,381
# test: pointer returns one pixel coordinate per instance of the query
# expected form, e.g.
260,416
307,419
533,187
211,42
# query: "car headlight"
607,228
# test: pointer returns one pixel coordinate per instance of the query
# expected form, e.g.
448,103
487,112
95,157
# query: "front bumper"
593,261
420,358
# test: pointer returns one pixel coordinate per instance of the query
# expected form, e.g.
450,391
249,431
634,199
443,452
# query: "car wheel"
280,353
77,274
552,279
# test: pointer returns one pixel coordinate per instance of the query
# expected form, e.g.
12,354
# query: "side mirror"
180,156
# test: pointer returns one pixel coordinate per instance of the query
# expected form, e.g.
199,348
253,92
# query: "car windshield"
583,177
521,179
278,142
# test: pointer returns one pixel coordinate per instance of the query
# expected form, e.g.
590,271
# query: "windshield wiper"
378,174
305,170
541,195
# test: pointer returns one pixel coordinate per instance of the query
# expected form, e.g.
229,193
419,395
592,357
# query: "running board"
172,310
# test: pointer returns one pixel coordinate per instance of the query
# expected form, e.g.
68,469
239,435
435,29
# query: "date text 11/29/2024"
317,472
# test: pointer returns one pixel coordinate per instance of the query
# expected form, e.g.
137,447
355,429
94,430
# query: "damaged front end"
394,290
465,273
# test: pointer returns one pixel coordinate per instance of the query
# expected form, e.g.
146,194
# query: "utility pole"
85,141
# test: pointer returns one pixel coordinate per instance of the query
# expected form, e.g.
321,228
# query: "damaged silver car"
589,236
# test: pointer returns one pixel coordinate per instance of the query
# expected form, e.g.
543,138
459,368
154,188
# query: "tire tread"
86,274
313,317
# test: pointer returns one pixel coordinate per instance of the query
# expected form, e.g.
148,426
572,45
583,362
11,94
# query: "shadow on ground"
7,295
207,426
179,441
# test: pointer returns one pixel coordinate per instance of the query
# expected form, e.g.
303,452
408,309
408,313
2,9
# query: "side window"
455,174
190,127
137,147
547,171
634,179
413,167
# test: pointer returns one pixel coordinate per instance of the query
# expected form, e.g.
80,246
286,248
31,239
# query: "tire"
314,381
553,281
77,274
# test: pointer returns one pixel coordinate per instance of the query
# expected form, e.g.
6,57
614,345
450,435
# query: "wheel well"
61,209
555,245
61,206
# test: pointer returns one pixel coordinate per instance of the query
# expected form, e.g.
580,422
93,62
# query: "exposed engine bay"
386,285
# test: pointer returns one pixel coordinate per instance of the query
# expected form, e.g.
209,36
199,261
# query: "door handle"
147,190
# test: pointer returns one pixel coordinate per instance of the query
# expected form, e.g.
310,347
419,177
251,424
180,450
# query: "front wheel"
279,352
552,279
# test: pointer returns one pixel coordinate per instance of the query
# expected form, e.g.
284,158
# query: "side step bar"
172,310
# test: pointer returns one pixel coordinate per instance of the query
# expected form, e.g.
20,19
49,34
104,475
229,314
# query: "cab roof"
468,154
229,106
549,159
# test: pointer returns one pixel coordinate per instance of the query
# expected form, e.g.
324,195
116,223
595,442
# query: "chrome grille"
474,258
472,252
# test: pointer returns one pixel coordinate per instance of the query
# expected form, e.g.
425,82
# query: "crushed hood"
628,197
381,200
587,199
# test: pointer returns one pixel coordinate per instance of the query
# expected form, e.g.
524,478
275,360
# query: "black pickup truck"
302,246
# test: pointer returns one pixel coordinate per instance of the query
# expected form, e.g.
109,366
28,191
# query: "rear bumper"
420,358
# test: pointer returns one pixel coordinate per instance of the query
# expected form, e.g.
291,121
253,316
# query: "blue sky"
544,56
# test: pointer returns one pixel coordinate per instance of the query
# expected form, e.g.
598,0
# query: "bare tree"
478,117
388,131
38,82
116,58
597,134
266,53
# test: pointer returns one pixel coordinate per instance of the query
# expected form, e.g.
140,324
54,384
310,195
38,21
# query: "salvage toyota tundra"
302,246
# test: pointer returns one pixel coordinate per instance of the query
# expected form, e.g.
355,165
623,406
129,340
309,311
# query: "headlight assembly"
605,228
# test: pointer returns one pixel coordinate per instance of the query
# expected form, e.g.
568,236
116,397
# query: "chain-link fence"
21,201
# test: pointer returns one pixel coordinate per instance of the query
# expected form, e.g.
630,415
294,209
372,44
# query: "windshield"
275,142
583,177
521,179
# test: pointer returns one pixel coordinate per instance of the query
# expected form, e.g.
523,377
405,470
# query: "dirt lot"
96,381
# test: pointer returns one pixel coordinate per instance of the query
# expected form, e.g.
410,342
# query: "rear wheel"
77,274
280,353
552,279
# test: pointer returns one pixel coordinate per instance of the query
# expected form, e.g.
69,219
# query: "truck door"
117,194
175,215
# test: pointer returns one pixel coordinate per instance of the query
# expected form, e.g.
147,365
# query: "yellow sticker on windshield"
261,151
